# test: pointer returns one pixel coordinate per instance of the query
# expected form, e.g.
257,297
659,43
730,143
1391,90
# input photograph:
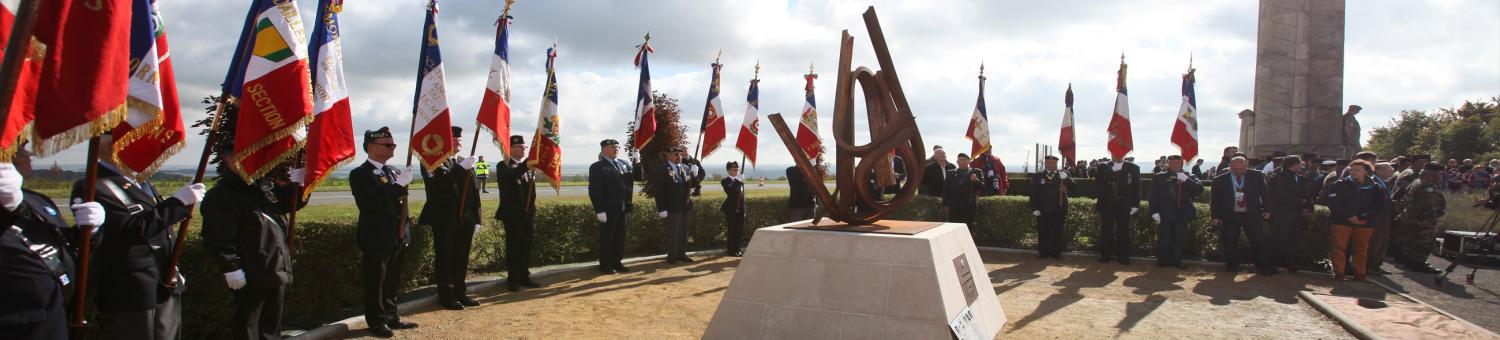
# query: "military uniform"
800,203
453,227
734,212
1417,225
1049,204
1171,200
672,186
1119,198
380,194
960,191
244,227
518,212
36,270
611,182
1288,197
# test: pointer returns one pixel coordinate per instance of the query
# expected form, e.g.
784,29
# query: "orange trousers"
1349,240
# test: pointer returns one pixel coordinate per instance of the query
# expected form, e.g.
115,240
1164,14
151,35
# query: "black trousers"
518,243
1114,235
257,312
382,281
52,326
484,183
1170,237
163,322
450,250
965,216
734,231
1286,238
1254,232
1049,230
612,239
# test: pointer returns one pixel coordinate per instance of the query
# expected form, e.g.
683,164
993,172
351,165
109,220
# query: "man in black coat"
610,184
960,192
1239,197
1119,186
518,212
1049,204
244,227
132,248
384,230
734,209
1171,203
453,225
1290,203
36,259
672,185
935,173
800,203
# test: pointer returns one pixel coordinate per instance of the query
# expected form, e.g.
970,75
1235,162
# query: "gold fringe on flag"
50,146
239,156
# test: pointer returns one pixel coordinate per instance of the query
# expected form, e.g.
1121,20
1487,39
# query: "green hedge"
1086,187
327,280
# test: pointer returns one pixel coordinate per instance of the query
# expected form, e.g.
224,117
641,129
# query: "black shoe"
1235,270
685,259
527,282
401,325
1057,256
467,302
450,305
1042,256
737,253
1425,269
381,331
1125,261
512,285
1181,266
1103,259
671,260
606,270
620,268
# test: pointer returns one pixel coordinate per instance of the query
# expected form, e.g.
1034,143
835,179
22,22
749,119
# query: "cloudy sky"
1399,55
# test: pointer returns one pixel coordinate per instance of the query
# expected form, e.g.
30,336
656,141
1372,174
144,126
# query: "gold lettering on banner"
268,111
432,35
293,19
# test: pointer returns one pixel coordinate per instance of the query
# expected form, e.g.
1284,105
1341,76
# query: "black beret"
458,132
1048,157
679,149
1174,157
937,147
371,136
966,156
517,140
608,142
1426,157
732,165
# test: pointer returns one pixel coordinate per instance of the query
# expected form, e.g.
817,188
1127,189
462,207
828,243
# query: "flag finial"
717,55
1122,56
757,69
810,69
981,70
1190,62
648,37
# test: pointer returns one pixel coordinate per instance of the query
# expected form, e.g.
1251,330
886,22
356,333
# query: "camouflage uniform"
1417,225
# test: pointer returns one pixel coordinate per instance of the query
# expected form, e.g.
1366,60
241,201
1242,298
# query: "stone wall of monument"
1299,78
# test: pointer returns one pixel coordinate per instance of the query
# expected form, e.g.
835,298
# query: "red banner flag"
83,81
275,98
712,128
645,106
1185,130
494,110
153,130
330,138
750,127
432,136
546,149
807,130
21,113
1066,144
1120,141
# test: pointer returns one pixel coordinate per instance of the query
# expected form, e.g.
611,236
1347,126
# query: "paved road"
1477,303
338,197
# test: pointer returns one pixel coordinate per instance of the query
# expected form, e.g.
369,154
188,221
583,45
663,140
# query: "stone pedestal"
817,284
1299,80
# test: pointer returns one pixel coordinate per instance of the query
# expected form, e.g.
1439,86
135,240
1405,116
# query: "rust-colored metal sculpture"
892,127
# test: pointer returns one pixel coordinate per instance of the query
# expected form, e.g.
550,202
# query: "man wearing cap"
244,227
733,208
1119,185
453,226
1290,204
1171,202
1237,206
518,212
960,190
379,192
1417,224
610,184
1049,204
132,248
672,185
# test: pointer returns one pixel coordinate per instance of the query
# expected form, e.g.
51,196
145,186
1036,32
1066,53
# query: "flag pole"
463,195
16,50
85,233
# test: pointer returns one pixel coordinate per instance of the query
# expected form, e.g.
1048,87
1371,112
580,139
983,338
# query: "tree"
670,132
1470,130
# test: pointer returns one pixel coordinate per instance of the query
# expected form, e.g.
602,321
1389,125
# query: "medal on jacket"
381,175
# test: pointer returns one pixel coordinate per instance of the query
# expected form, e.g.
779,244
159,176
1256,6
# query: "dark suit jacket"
30,292
734,200
1172,203
1255,194
671,188
245,230
379,200
517,192
134,242
801,196
444,185
1288,193
610,188
1118,190
1046,197
933,177
41,222
961,193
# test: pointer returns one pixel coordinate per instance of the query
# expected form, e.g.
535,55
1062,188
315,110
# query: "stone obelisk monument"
1299,82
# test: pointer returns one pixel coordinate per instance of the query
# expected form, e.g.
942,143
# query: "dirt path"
1075,298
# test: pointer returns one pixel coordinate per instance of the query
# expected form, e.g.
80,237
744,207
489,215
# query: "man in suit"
734,209
1049,204
935,173
1229,153
1238,200
960,192
610,184
244,227
1171,202
132,248
672,184
452,210
384,230
1119,185
1290,203
800,203
518,213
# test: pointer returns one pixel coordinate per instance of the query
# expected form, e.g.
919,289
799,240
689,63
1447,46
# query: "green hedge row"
327,278
1086,187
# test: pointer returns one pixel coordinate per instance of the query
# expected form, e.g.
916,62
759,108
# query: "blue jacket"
1347,198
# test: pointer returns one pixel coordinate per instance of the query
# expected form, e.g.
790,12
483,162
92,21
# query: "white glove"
468,162
602,218
404,177
190,194
662,214
1182,177
1156,217
298,175
693,170
1134,210
91,214
235,279
1119,165
1036,213
1062,174
10,187
477,227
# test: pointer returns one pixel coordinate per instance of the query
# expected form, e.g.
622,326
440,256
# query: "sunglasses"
388,145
